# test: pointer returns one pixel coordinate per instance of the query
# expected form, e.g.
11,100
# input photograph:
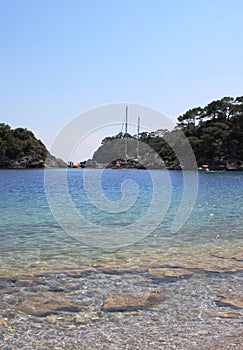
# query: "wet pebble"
51,319
3,322
79,319
117,317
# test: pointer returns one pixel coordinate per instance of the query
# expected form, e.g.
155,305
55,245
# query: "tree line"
215,133
18,143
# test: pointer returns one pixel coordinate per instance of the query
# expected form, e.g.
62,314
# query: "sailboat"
126,162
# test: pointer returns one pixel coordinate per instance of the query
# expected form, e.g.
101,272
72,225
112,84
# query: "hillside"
215,133
19,148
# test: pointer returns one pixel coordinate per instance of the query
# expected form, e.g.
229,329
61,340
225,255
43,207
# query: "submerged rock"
233,301
176,273
132,301
44,304
224,314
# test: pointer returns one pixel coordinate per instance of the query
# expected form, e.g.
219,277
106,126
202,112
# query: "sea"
142,259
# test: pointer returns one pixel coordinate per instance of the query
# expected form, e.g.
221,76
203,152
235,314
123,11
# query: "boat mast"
138,131
125,137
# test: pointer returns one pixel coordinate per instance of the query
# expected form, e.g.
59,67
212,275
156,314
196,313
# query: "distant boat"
204,167
127,162
76,165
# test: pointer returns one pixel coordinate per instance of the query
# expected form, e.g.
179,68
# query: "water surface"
192,278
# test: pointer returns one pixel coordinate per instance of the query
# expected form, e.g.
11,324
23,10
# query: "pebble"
3,322
79,319
117,317
51,319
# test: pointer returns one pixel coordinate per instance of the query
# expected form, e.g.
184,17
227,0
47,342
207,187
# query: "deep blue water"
30,236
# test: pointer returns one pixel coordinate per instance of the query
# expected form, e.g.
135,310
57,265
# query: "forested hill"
215,133
19,148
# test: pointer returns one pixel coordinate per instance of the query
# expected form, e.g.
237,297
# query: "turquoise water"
30,236
152,288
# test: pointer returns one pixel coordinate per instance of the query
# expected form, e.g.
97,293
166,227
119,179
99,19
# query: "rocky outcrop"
22,163
221,164
107,154
32,162
53,162
20,149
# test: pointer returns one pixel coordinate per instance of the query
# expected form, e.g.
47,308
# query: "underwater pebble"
51,319
117,317
3,322
79,319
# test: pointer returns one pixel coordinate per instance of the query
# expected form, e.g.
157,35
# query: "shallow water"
197,270
31,236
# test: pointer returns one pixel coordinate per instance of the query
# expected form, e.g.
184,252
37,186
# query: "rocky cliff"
19,148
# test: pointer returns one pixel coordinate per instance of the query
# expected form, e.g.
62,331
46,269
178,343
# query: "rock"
29,162
79,319
107,154
224,314
95,316
168,275
44,304
132,301
52,343
51,319
3,322
117,317
91,164
10,299
24,282
169,272
233,165
234,301
9,290
53,162
12,330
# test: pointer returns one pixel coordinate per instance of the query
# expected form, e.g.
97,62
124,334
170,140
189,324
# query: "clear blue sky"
59,58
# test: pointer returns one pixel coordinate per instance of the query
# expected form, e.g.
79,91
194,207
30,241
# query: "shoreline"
132,168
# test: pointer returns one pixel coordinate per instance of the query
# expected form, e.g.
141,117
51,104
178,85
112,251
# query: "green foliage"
218,135
215,133
18,143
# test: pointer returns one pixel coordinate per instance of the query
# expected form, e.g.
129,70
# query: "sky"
61,58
